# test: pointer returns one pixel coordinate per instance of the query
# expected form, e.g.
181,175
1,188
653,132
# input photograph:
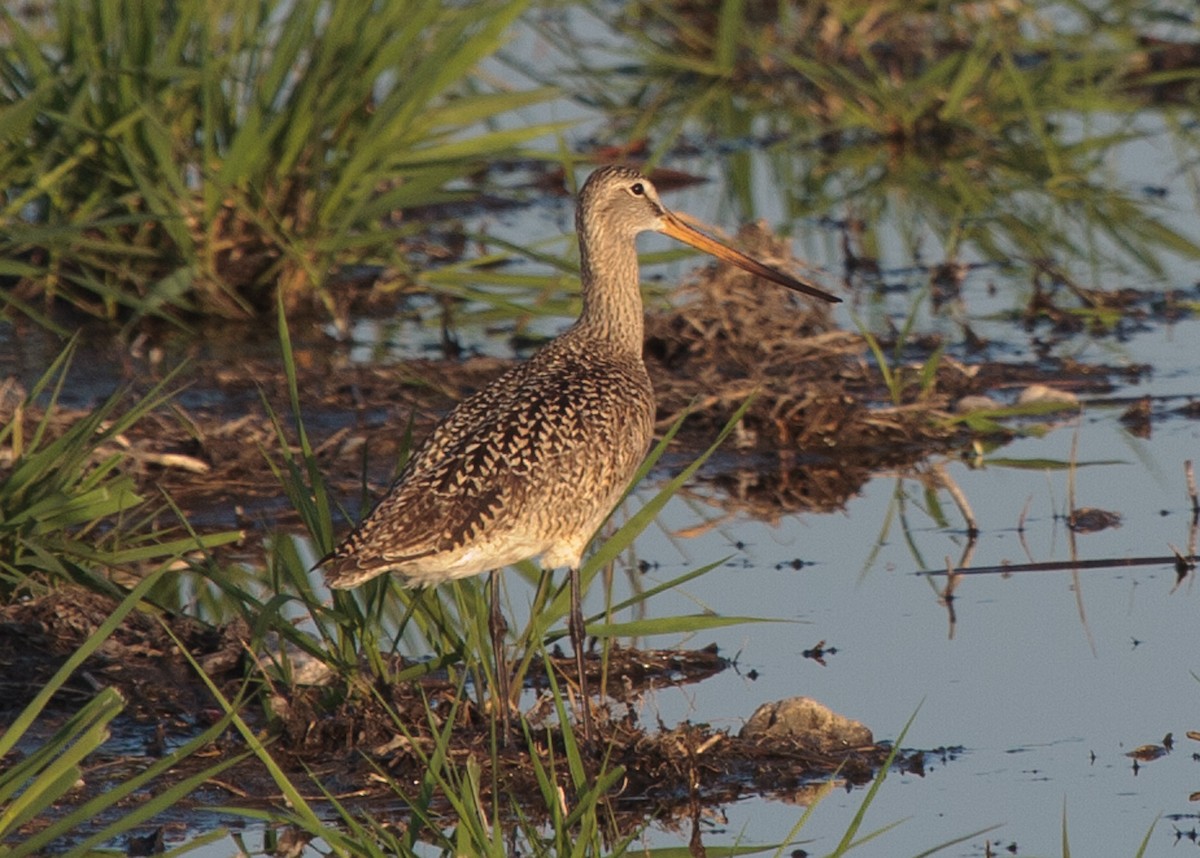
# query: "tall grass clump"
167,158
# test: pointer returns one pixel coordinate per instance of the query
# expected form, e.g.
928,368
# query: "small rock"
1043,393
976,402
805,722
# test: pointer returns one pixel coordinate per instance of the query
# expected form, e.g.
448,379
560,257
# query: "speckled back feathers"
535,459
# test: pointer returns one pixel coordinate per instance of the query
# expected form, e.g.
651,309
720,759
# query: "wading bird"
532,464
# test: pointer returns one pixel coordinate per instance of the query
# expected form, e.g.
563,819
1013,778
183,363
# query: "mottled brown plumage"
531,465
528,466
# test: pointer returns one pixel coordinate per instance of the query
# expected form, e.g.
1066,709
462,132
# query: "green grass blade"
58,764
848,839
638,522
682,624
305,813
1145,844
159,802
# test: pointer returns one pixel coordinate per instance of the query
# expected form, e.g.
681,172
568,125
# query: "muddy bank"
350,732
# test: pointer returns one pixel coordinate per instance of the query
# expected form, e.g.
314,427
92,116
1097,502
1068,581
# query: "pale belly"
565,550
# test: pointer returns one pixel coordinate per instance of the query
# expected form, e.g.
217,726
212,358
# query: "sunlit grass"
196,157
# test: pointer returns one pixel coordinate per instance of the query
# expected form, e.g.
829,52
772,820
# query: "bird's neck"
612,298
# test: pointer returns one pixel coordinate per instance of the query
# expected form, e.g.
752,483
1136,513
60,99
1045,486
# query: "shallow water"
1043,670
1046,680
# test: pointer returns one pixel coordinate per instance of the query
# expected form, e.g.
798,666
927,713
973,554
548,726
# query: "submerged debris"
1147,753
1091,519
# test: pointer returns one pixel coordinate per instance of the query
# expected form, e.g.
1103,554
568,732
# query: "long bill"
676,228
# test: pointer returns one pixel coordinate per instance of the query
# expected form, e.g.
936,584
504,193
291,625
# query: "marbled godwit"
532,464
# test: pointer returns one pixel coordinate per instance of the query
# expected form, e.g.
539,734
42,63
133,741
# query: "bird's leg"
576,629
499,628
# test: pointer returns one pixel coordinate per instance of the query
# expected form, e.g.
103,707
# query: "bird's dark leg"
576,629
499,628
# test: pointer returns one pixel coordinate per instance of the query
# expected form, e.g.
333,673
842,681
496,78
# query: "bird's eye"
637,189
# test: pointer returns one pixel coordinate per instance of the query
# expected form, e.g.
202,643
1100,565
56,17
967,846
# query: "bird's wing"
507,454
476,461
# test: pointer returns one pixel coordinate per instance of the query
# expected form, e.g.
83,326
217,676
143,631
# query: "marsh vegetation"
249,252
